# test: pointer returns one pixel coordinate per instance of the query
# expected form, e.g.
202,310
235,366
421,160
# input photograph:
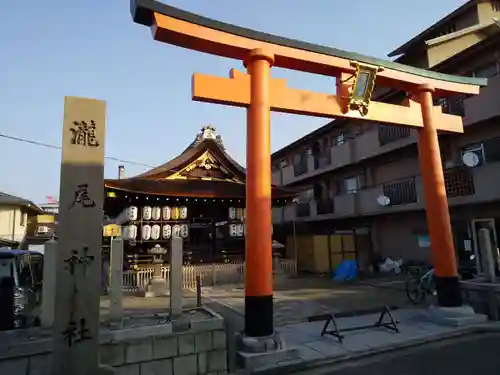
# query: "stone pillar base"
255,352
453,316
157,287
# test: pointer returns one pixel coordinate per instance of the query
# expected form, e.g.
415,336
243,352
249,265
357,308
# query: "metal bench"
384,311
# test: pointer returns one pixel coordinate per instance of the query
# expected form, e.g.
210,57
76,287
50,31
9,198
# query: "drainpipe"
14,224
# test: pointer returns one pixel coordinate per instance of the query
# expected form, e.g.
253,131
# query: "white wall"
11,219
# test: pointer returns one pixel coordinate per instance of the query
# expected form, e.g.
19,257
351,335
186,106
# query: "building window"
300,164
476,148
400,192
351,185
339,139
321,154
22,219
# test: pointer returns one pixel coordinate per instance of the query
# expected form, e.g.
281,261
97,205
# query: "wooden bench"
384,311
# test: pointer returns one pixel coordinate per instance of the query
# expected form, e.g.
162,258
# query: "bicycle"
419,287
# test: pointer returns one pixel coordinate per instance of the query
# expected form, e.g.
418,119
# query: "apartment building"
363,177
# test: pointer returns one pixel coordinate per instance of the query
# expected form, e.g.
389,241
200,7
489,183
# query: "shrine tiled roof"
168,179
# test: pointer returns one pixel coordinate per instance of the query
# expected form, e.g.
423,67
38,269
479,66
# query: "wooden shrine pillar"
438,216
258,239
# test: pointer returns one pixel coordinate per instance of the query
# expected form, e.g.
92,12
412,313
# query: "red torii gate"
260,94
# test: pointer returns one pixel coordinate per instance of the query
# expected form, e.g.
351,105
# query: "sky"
91,48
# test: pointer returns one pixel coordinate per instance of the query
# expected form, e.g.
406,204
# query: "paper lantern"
146,232
167,231
239,213
183,214
166,213
232,213
175,213
155,232
176,231
239,230
184,231
233,231
130,232
156,213
132,213
146,213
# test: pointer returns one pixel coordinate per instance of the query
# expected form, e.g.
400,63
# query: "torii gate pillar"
436,203
258,235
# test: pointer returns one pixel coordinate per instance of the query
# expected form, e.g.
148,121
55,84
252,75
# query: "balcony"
325,206
322,161
380,140
485,105
345,205
463,186
404,195
473,185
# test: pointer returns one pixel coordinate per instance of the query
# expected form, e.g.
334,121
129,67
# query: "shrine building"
199,196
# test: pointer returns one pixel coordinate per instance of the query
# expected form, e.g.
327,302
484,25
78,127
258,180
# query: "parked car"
24,268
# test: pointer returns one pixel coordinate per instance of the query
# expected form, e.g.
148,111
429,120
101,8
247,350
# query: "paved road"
477,355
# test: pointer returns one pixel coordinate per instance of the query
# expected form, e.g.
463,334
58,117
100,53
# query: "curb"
316,364
327,362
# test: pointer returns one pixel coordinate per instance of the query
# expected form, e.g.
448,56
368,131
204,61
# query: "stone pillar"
116,282
486,257
49,283
175,281
75,333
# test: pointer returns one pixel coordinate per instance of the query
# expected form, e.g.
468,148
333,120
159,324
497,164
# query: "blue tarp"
347,270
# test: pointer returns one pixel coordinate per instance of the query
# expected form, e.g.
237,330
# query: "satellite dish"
383,200
470,159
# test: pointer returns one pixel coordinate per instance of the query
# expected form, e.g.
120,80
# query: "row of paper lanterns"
174,213
157,213
236,230
153,232
236,213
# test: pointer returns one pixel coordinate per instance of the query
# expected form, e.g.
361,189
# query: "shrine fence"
210,274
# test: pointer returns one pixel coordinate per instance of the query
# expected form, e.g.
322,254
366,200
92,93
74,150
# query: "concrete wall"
11,219
197,351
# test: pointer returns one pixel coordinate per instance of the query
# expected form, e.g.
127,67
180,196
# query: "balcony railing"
303,209
389,133
401,192
459,182
324,206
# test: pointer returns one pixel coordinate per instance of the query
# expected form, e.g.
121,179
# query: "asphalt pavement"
471,355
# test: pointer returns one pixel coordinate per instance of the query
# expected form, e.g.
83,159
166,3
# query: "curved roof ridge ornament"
189,30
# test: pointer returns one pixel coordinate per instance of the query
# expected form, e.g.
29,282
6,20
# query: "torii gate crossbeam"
260,94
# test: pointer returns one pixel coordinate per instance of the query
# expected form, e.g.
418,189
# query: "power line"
36,143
